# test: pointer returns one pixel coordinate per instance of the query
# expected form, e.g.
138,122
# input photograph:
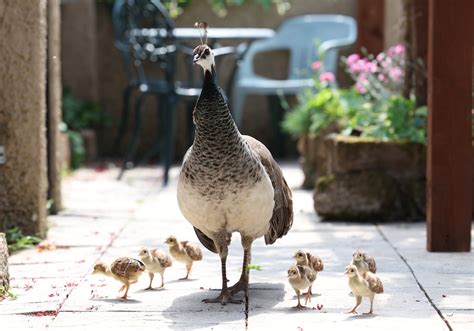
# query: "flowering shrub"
373,107
379,77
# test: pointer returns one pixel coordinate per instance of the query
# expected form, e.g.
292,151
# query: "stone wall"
79,44
23,178
111,74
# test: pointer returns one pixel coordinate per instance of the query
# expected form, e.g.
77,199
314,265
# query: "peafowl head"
203,54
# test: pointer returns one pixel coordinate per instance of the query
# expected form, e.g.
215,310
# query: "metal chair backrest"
307,38
129,17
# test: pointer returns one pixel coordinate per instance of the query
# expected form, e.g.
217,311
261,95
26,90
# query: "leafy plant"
78,151
4,293
79,114
253,267
16,240
314,112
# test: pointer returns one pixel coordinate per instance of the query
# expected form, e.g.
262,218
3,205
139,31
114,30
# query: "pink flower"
371,66
360,88
316,65
381,77
396,74
327,77
352,58
362,66
396,50
380,56
361,84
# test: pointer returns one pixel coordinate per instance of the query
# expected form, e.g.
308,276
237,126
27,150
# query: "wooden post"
370,25
449,168
421,50
54,95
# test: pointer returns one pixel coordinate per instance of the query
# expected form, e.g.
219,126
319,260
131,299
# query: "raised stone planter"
89,138
312,155
366,179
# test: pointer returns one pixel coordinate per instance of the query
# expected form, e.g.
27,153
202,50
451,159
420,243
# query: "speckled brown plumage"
311,260
192,250
124,269
300,278
363,262
363,285
156,261
185,252
127,268
314,262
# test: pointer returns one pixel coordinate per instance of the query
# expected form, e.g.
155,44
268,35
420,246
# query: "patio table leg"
129,158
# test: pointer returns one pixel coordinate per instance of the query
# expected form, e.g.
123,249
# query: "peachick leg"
299,305
358,301
307,297
371,305
152,275
162,280
126,291
188,270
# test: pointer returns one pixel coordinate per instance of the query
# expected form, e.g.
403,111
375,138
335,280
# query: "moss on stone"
323,181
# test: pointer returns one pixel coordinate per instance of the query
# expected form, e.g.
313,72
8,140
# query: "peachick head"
299,256
144,252
351,271
358,255
293,272
100,268
171,241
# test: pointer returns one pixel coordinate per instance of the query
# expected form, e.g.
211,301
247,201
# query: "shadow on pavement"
191,311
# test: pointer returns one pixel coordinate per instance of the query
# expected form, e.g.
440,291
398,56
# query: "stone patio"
105,219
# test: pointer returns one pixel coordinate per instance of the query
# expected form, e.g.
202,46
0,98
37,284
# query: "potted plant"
374,167
80,120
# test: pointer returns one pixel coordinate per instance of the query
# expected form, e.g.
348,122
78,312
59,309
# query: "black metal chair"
131,18
136,51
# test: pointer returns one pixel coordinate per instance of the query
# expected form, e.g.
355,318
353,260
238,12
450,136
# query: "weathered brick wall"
23,179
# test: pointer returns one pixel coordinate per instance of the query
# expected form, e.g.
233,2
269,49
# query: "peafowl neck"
215,127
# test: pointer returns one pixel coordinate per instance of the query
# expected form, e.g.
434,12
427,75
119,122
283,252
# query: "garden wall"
23,178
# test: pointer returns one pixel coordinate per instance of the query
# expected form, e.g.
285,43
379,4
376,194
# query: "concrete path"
105,219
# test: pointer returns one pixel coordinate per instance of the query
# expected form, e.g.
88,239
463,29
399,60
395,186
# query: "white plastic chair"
305,37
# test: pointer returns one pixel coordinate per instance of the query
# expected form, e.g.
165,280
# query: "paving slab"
105,218
447,278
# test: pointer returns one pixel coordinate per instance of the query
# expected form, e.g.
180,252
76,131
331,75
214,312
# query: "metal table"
213,34
184,35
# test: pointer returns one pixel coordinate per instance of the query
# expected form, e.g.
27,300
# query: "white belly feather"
248,211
